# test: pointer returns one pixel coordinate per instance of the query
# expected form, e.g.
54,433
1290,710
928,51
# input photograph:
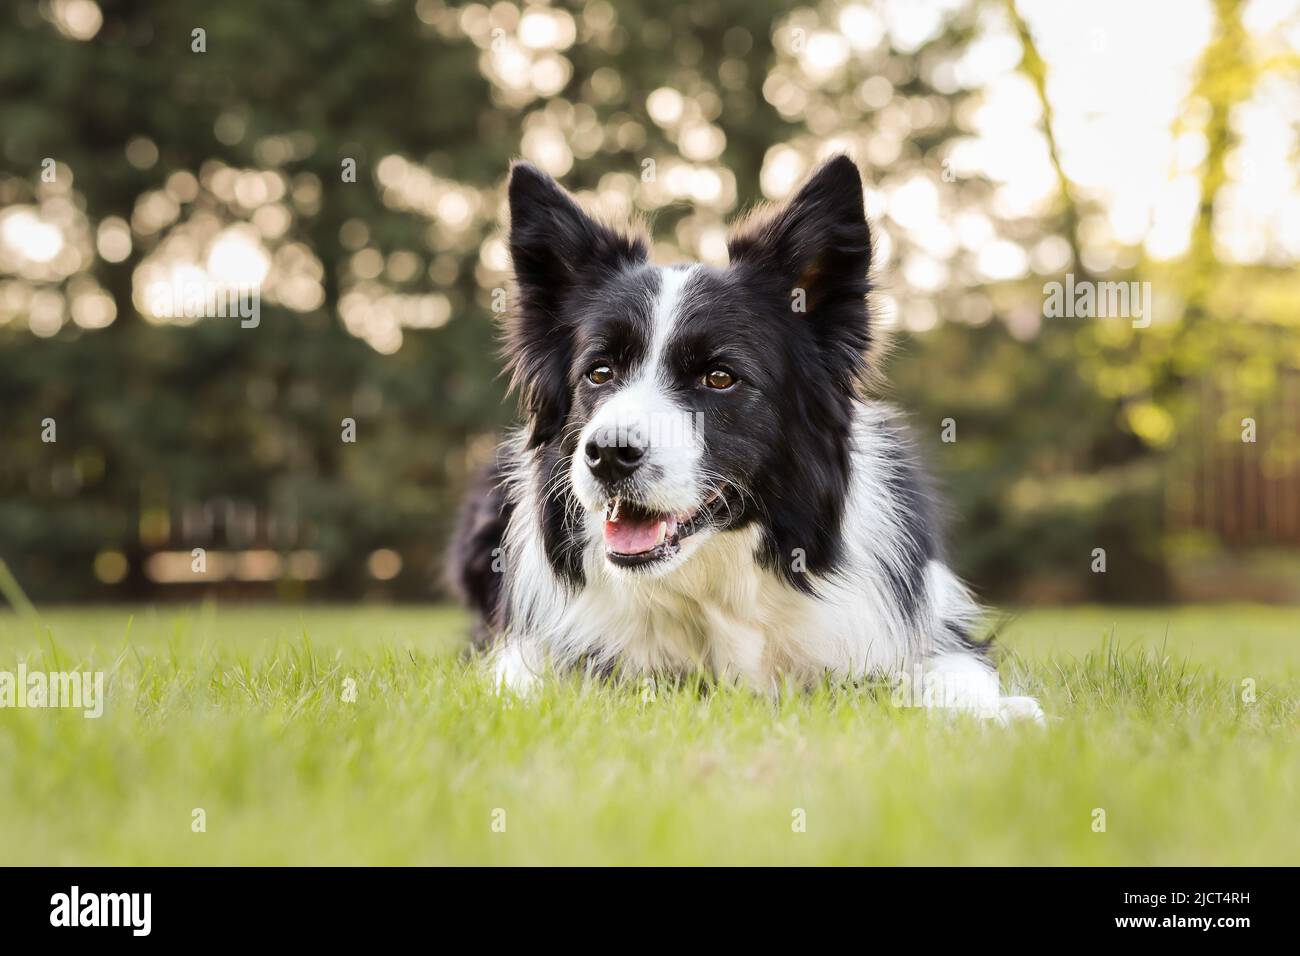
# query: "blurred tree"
232,148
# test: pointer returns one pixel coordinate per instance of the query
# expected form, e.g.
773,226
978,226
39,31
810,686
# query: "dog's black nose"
613,457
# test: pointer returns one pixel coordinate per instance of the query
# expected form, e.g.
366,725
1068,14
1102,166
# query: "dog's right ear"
555,248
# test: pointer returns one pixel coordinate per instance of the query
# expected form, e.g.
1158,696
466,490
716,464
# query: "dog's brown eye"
719,378
600,375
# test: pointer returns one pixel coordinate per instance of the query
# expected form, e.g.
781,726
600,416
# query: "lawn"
244,713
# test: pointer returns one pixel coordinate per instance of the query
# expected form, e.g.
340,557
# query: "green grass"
238,711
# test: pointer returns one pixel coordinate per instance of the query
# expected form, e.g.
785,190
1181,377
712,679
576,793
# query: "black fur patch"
560,536
474,569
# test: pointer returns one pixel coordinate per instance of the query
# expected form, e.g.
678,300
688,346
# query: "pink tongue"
635,535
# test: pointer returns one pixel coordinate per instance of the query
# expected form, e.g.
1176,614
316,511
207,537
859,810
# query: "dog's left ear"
815,251
812,256
556,250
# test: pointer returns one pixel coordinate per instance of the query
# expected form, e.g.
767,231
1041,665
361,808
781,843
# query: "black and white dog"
701,483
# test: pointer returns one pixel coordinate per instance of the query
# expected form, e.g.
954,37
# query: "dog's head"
672,404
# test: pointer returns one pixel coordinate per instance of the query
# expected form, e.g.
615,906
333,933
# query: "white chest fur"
721,612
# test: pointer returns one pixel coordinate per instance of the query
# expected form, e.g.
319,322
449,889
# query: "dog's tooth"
661,533
618,503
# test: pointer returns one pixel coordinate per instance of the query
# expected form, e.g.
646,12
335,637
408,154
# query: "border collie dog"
701,483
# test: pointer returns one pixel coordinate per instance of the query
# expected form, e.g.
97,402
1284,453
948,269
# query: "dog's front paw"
514,671
961,683
1013,709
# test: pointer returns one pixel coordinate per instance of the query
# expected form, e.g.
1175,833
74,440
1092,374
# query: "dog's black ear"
813,255
555,248
815,252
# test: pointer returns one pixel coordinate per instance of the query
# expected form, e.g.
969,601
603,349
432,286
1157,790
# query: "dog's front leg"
518,665
964,681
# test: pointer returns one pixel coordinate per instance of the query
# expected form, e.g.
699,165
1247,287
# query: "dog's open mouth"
636,536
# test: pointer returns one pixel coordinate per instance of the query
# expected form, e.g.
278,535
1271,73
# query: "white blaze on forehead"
663,317
647,400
